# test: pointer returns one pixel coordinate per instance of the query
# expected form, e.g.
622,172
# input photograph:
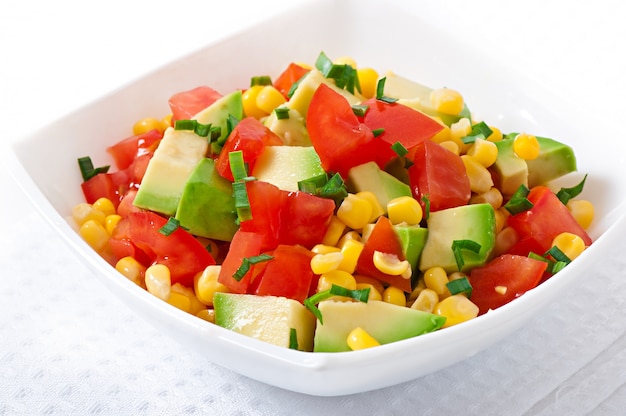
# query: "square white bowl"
390,37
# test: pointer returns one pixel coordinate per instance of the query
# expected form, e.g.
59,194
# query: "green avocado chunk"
384,321
555,160
474,222
207,207
267,318
369,177
217,113
285,166
413,240
509,170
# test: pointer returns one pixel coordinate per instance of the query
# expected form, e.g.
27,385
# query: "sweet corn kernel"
485,152
479,177
359,339
336,277
436,279
366,280
351,250
394,295
167,121
446,100
368,80
501,215
194,304
324,249
570,244
355,212
110,222
451,146
419,286
456,309
505,239
404,209
105,205
444,134
350,235
391,264
180,301
374,294
345,60
501,290
458,130
526,146
147,124
324,263
492,197
158,281
377,209
582,211
207,314
206,284
131,269
335,230
84,212
94,233
269,98
249,101
367,231
426,301
496,134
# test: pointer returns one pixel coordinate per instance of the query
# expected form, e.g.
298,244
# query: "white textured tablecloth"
67,346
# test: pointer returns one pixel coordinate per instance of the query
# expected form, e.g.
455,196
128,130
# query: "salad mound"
332,208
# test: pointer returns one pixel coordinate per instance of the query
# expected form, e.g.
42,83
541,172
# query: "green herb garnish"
457,248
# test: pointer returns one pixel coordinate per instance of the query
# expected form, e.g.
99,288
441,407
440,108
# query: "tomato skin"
250,136
127,150
106,185
186,104
400,123
440,175
179,251
384,239
518,274
548,218
339,138
287,274
288,77
244,244
126,204
265,203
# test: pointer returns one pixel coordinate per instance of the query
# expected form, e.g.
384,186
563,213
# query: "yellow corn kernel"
451,146
582,211
492,197
147,124
377,209
394,295
350,235
110,222
456,309
84,212
404,209
269,98
526,146
131,269
345,60
158,281
458,130
324,249
570,244
324,263
391,264
355,211
374,293
368,80
205,284
207,314
485,152
167,121
496,134
426,301
479,177
444,134
193,304
371,281
105,205
249,101
338,278
335,230
351,250
501,215
446,100
359,339
94,234
180,301
436,279
367,231
505,239
419,286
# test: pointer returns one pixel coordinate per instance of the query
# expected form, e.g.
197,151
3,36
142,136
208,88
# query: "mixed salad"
332,208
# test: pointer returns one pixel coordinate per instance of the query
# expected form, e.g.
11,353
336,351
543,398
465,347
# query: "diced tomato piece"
503,279
250,136
266,201
339,138
244,245
287,274
545,220
126,205
122,246
384,239
439,175
127,150
179,251
400,123
288,77
106,185
186,104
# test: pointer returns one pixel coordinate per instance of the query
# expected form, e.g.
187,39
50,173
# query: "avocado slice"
217,113
285,166
291,129
384,321
176,157
476,222
207,207
555,160
509,170
267,318
369,177
413,240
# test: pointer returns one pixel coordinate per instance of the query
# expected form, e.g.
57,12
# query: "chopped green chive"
380,92
479,130
457,248
331,188
359,109
426,201
362,295
247,262
565,194
518,202
282,113
345,76
293,339
461,285
295,85
237,165
87,170
399,149
378,132
261,80
557,254
170,226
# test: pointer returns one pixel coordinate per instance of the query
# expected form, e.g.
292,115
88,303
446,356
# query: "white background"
68,347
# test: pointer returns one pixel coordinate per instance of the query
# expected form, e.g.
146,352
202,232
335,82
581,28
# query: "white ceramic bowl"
44,163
